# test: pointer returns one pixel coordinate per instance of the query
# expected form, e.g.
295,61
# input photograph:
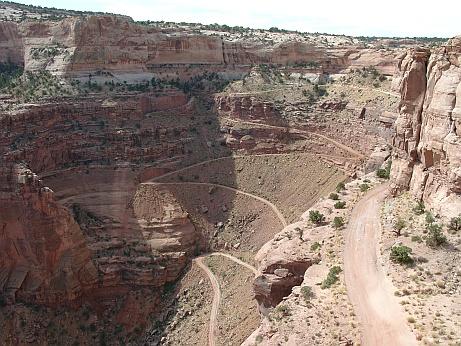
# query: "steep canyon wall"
427,144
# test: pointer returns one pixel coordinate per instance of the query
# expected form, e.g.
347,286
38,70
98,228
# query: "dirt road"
236,260
213,325
302,132
265,201
371,293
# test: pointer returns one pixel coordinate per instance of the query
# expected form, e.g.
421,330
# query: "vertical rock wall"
427,144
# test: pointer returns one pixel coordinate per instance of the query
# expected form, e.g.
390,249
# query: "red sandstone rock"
427,143
43,254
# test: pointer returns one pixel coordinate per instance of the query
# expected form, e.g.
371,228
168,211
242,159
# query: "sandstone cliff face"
427,144
246,107
84,131
11,44
43,253
282,263
92,152
78,46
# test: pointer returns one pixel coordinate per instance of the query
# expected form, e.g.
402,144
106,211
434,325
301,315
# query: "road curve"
236,260
201,163
303,132
213,325
265,201
212,331
370,292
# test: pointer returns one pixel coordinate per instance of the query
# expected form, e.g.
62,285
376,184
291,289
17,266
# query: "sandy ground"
189,323
292,182
212,325
381,318
238,315
430,289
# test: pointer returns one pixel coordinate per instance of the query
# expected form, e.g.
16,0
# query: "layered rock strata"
427,144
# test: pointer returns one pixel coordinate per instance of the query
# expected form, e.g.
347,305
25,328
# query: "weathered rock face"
165,225
78,46
43,253
91,130
383,60
246,107
282,263
11,44
427,144
113,237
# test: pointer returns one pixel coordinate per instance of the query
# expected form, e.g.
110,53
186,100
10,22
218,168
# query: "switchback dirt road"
213,325
263,200
370,291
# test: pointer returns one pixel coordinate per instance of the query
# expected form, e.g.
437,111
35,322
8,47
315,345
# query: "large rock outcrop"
282,264
11,44
43,254
427,144
80,46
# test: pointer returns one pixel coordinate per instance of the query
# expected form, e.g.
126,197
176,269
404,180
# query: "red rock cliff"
43,253
427,144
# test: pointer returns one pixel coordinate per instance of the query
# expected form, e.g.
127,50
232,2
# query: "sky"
402,18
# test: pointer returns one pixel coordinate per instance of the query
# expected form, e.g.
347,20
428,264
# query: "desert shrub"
400,224
102,339
315,246
334,196
341,186
385,173
419,208
306,292
416,238
364,187
382,173
401,254
332,277
435,237
316,217
338,222
340,205
280,312
455,224
429,218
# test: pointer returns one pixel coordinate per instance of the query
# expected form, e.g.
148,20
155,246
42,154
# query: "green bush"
429,218
334,196
280,312
315,246
455,224
341,186
332,277
381,173
364,187
384,173
316,217
436,237
416,238
340,205
307,293
401,254
338,222
400,224
418,209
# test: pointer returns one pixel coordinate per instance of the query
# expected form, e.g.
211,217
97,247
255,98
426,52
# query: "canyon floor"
208,185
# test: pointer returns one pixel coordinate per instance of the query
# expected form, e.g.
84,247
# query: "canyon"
160,181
